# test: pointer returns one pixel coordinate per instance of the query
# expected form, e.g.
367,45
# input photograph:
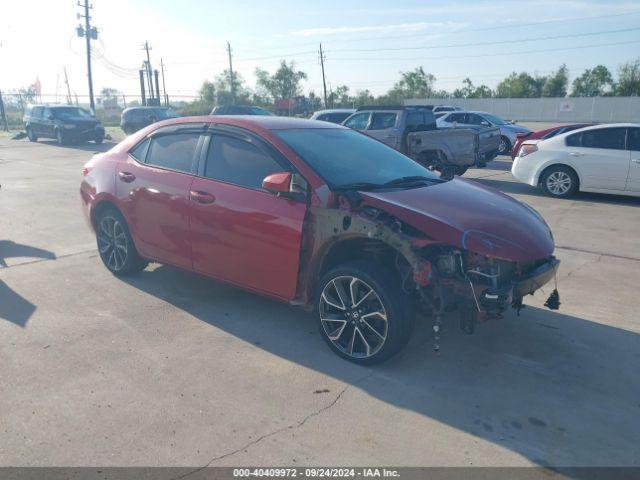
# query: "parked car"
317,215
333,115
135,118
508,131
445,108
239,110
65,123
601,158
544,134
413,131
300,106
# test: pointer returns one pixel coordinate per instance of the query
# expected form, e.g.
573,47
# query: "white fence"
562,110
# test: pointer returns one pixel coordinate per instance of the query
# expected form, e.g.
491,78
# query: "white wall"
562,110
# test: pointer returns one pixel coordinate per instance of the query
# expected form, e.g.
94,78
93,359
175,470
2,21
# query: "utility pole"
66,81
88,33
149,70
324,83
232,79
164,88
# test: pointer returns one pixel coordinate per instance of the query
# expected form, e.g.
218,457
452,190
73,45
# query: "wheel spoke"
364,340
332,320
331,302
353,340
342,295
381,337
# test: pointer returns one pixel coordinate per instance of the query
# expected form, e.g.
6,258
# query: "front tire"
32,136
115,245
60,137
362,313
559,181
504,147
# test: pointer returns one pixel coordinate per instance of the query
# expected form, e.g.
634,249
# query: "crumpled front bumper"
498,299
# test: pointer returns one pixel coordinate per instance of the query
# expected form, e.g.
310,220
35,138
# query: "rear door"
600,157
240,232
153,188
633,144
47,124
383,127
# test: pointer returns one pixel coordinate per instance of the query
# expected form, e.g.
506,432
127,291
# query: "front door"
633,144
600,156
383,127
153,187
240,232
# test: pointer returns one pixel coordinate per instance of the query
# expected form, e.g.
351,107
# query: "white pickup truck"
413,131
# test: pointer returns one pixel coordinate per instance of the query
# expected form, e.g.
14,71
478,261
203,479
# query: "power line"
501,54
499,42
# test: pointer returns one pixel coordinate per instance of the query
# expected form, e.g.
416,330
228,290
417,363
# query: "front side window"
455,118
237,161
358,121
382,121
633,140
346,157
607,138
175,151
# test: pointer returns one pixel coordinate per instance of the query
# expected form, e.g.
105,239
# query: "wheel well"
101,207
568,167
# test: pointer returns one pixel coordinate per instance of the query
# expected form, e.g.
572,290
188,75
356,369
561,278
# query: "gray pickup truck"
413,131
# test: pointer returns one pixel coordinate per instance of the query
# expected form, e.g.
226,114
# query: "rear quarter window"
383,120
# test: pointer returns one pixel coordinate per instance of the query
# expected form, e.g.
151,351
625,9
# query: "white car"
601,158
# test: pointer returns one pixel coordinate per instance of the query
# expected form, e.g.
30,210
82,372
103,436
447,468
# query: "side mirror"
278,183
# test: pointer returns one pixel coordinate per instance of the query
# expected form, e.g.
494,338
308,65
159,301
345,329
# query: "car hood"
516,128
471,216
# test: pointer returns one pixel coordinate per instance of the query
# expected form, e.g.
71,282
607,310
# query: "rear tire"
559,181
362,313
99,139
32,136
115,245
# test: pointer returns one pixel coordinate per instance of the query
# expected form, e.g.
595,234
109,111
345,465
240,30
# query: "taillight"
526,149
86,170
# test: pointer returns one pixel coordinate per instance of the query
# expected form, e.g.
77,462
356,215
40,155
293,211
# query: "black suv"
135,118
239,110
65,123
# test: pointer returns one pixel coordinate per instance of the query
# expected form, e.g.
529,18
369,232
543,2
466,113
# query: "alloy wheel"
502,146
558,183
353,317
112,243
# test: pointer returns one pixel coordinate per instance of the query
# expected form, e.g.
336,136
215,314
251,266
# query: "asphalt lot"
169,368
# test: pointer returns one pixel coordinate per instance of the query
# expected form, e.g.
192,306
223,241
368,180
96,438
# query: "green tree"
629,79
340,97
207,93
593,82
223,88
469,90
413,84
556,83
284,83
362,98
521,85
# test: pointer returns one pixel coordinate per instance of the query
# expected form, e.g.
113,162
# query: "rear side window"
37,112
139,152
382,121
633,140
455,117
237,161
358,121
175,152
607,138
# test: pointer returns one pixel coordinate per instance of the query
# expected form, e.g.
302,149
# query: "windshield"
345,157
493,119
166,113
70,112
259,111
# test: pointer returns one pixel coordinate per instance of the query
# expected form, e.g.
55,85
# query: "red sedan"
317,215
544,134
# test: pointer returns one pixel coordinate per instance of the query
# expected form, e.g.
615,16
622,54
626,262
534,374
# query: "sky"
367,43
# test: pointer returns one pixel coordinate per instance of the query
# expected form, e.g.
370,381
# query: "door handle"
202,197
576,154
126,176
